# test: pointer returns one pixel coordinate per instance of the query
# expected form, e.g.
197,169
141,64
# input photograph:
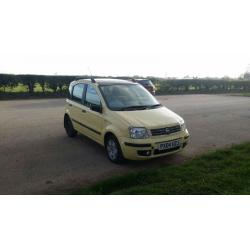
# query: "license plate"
169,145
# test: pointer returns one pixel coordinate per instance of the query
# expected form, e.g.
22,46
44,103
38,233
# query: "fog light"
144,152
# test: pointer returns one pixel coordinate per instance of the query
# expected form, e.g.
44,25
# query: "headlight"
138,133
183,125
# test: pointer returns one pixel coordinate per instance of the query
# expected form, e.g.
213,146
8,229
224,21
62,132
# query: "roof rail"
86,78
132,79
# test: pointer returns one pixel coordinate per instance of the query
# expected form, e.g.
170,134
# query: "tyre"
113,149
71,132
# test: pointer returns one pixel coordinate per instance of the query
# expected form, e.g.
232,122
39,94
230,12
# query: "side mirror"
96,108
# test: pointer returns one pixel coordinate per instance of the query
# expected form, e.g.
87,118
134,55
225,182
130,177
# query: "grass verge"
225,171
247,94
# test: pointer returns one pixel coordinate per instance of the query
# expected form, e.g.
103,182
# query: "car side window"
92,98
78,92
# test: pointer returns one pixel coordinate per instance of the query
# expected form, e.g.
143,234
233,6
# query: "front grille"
166,131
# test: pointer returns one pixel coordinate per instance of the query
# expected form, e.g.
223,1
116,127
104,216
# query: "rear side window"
78,92
92,98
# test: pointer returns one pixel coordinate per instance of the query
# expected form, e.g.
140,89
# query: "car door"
93,119
76,107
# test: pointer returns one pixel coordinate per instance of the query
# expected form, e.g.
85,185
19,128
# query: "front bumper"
142,149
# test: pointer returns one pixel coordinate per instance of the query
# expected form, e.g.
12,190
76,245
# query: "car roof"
104,81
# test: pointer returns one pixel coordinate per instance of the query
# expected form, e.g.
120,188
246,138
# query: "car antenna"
91,77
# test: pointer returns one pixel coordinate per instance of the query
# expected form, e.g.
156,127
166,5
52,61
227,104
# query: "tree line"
59,83
201,85
53,82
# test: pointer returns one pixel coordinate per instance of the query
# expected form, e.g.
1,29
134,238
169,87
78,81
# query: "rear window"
78,92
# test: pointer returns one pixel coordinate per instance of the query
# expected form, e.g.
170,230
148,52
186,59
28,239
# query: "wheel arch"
107,134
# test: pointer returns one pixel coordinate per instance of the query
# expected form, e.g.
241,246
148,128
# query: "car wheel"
71,132
113,149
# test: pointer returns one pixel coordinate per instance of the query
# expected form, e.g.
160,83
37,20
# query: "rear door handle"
84,111
70,105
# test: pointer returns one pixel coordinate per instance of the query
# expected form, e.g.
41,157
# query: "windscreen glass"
128,97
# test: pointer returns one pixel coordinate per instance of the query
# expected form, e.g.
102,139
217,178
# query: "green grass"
225,171
21,92
20,88
242,94
246,94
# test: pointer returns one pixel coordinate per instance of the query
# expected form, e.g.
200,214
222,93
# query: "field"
21,88
21,91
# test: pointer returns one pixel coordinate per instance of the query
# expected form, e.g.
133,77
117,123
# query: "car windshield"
121,97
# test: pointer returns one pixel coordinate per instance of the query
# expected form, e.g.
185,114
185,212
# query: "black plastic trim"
95,131
158,152
137,145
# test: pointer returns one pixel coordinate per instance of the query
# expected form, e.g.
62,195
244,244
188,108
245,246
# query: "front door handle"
84,111
70,105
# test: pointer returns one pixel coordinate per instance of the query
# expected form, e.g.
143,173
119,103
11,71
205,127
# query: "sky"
198,38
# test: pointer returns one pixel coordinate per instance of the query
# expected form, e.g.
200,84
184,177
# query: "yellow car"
125,118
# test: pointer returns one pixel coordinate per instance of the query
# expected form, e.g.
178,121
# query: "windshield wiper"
155,106
140,107
137,107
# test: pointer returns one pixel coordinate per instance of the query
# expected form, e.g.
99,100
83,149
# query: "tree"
7,80
60,82
52,83
42,81
29,81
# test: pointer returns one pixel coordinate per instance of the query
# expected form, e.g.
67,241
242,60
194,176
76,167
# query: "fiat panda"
125,118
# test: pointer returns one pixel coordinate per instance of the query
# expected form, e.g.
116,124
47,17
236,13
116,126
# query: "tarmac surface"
36,156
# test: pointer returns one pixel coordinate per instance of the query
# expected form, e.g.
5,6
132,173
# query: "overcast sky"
130,37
